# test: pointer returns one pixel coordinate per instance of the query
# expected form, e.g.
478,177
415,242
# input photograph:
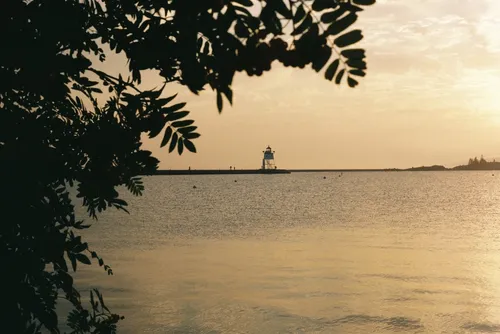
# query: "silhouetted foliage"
479,164
55,134
477,161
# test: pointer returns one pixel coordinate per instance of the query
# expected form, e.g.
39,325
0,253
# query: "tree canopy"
56,133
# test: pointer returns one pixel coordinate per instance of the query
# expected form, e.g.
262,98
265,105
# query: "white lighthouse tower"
268,160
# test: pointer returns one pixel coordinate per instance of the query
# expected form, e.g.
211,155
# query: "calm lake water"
365,252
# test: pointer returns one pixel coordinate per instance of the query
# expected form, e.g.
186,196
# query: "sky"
431,96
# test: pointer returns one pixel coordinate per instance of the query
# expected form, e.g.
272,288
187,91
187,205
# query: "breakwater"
219,171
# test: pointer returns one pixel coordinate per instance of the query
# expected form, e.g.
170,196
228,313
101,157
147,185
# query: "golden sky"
431,96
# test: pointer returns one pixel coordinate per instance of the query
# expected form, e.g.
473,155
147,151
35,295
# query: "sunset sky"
431,96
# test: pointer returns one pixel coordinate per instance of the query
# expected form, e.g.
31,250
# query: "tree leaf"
92,302
340,75
181,124
353,53
175,107
101,300
243,10
79,248
229,94
119,201
352,8
72,258
191,135
177,115
79,103
303,26
219,101
83,258
166,100
158,124
281,8
173,142
338,26
364,2
300,13
206,48
319,5
349,38
321,59
166,136
187,129
270,19
330,17
189,146
308,40
153,94
246,3
357,63
180,146
241,30
332,69
351,82
359,73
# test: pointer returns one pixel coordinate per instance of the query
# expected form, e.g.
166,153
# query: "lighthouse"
268,160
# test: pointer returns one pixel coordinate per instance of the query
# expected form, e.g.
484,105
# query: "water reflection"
356,257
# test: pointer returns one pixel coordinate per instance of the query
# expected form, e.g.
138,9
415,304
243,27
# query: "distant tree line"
479,164
481,161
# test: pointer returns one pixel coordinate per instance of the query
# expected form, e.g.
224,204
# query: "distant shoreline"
284,171
473,165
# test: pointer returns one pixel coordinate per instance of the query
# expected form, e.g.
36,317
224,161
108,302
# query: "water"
362,253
